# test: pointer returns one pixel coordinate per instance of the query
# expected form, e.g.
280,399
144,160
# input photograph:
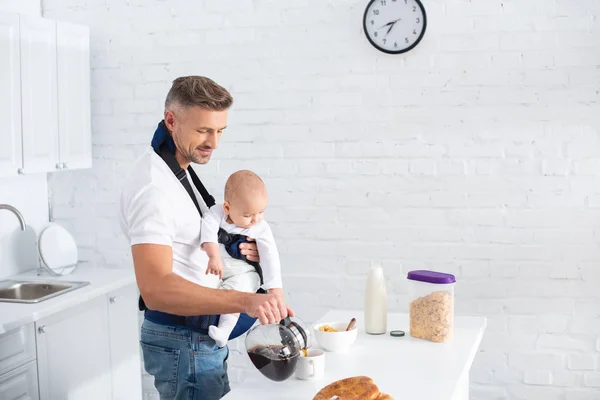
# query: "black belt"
198,323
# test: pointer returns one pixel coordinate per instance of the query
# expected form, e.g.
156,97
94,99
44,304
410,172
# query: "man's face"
196,132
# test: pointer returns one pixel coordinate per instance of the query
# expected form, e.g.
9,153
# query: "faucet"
16,212
23,227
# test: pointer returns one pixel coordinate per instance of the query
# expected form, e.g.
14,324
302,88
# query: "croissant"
354,388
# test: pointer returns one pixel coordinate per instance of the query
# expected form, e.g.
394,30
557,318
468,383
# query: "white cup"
311,366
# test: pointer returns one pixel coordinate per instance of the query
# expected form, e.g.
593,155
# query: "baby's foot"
218,335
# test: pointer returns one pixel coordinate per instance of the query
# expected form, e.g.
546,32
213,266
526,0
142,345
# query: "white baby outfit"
238,274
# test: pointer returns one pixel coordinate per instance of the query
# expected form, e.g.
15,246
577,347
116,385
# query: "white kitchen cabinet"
73,353
20,383
83,344
124,344
17,347
74,117
45,99
39,94
11,156
91,351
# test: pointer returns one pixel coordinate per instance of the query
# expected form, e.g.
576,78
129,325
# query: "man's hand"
215,266
250,250
268,308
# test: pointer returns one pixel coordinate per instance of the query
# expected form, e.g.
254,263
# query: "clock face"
395,26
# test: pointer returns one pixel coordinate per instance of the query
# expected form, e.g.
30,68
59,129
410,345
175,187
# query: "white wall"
29,194
28,7
477,153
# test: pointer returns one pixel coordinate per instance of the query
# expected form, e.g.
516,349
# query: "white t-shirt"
261,232
156,208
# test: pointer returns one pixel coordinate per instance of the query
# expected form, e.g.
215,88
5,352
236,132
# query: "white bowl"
335,341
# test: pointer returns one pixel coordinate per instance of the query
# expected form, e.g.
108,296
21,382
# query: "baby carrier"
163,145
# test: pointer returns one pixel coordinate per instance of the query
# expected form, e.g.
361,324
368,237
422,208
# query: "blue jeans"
186,365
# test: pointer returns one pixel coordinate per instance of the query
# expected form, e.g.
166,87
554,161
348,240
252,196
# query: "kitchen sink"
16,291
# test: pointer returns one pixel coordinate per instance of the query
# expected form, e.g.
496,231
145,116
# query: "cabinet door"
74,120
20,383
39,94
10,96
74,354
17,347
124,344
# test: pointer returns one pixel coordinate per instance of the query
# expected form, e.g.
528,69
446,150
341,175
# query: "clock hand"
394,23
389,23
389,29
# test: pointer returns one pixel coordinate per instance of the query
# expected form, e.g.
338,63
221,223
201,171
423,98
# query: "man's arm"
164,291
276,291
150,230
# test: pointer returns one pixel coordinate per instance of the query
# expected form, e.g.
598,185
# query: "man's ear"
170,120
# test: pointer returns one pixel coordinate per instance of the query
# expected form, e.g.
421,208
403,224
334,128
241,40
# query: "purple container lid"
431,276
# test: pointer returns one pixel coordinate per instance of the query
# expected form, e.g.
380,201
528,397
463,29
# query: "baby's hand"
215,266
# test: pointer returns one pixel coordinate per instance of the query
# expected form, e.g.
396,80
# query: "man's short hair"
189,91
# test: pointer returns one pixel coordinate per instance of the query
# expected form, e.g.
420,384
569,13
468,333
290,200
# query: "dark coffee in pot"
270,361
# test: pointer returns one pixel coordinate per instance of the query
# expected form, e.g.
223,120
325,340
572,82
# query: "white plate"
58,249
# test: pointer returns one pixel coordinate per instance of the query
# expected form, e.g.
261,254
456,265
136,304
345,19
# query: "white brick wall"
477,153
25,7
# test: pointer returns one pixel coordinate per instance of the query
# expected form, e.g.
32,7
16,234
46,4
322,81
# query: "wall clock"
395,26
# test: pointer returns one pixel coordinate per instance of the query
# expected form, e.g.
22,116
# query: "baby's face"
246,211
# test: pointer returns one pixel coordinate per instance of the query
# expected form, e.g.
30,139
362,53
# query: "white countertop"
403,367
102,281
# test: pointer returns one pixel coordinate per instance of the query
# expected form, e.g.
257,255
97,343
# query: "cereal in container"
431,305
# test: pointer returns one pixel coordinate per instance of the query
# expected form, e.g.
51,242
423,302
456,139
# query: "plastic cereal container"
431,300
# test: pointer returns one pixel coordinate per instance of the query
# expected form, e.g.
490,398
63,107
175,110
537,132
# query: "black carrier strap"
180,174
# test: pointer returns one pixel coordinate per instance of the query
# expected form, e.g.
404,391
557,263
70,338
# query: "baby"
241,213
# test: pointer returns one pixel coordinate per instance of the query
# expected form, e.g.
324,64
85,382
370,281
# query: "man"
162,221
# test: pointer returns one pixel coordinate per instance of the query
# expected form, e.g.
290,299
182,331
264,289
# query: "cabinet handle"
112,300
42,329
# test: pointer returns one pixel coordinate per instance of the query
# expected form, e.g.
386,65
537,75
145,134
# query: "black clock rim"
409,48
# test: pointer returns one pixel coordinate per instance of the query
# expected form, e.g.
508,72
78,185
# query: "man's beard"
189,156
193,157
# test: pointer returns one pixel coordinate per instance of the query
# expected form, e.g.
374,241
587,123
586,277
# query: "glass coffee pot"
274,349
